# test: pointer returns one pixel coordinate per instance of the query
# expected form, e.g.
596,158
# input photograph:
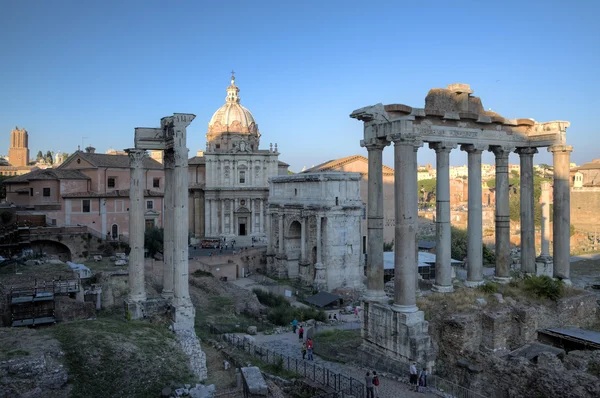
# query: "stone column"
214,216
443,267
375,286
180,230
561,217
281,241
137,288
222,217
269,233
527,210
502,214
262,216
406,215
475,235
169,224
303,241
231,217
318,218
198,219
545,199
252,218
207,220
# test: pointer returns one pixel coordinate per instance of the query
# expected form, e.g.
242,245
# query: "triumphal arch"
452,118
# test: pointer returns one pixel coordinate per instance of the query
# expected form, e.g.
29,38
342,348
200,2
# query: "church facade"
229,182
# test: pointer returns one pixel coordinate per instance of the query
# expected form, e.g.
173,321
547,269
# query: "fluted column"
281,241
169,224
214,216
137,288
561,217
502,214
269,233
319,245
252,218
207,215
527,210
180,230
545,224
443,267
262,216
406,215
198,217
222,216
475,235
375,285
303,240
231,223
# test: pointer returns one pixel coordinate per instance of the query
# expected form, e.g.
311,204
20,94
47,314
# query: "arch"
295,229
114,231
50,246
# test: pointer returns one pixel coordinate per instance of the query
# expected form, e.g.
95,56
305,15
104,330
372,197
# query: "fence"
450,388
343,385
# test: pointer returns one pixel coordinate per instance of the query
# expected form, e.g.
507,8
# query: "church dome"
231,124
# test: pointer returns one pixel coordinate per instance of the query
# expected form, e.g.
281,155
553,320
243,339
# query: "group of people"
418,380
307,346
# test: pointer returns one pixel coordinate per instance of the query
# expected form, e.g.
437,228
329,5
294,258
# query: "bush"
489,288
544,287
284,315
270,299
200,272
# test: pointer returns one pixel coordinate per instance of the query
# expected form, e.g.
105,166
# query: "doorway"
242,226
149,224
115,231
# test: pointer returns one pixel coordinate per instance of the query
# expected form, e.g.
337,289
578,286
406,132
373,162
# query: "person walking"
414,377
294,325
303,351
423,380
369,385
309,349
301,333
375,384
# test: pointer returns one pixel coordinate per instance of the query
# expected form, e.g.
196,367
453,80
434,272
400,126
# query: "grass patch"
270,299
488,288
281,311
109,357
543,287
17,353
337,345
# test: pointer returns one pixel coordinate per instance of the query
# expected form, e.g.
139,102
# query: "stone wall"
585,209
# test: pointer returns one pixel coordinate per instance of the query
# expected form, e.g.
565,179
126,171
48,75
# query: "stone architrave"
475,235
375,285
561,225
406,215
137,289
502,214
443,267
168,224
527,210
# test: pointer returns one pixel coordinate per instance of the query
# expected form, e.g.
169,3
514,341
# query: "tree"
153,240
39,156
49,159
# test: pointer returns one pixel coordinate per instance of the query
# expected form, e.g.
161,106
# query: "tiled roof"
332,165
111,194
112,161
594,164
49,174
197,160
283,163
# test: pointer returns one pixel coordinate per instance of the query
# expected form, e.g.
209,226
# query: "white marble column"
502,214
269,233
406,208
207,220
222,216
545,224
168,223
252,218
137,288
527,210
214,216
281,240
375,286
443,267
319,244
475,235
561,217
303,241
231,218
181,230
262,216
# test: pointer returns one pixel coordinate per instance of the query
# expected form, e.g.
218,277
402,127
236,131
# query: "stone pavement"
289,344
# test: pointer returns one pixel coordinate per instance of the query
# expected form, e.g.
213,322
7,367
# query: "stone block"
255,381
495,330
134,309
544,266
201,391
251,330
411,318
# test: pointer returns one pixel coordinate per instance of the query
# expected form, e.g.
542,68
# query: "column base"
473,283
503,280
405,308
134,309
544,265
167,294
375,296
183,317
442,289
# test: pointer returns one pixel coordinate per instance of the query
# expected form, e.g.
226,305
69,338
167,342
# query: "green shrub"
270,299
489,288
544,287
200,272
284,315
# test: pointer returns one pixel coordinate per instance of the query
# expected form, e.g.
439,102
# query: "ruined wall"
585,209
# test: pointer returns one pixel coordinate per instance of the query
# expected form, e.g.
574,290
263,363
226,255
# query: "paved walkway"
289,344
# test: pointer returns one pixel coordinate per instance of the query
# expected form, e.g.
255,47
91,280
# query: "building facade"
314,229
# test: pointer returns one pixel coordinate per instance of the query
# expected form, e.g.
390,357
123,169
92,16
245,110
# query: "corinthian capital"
443,146
526,151
374,144
136,157
501,151
473,148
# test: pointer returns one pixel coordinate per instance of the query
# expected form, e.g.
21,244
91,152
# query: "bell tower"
18,153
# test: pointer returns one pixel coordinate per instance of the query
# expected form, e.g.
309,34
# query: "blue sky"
71,70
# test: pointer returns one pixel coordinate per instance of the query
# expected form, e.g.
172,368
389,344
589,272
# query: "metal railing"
343,386
450,388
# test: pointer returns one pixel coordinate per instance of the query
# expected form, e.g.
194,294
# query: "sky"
87,73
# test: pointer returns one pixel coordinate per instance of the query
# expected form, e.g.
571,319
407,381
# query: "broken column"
137,289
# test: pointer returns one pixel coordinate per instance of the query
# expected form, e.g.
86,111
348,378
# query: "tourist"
301,333
423,380
369,385
335,318
330,318
414,377
309,349
294,325
375,384
303,351
356,311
